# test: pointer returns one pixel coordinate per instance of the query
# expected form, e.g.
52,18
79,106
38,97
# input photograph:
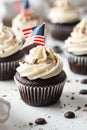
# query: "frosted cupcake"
76,48
62,17
9,53
40,76
26,18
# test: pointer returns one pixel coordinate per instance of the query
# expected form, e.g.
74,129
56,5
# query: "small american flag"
17,5
34,35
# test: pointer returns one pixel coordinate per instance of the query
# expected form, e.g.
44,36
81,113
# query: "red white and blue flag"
34,35
17,5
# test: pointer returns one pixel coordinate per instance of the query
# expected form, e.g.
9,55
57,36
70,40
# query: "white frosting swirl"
77,42
20,22
42,63
8,42
63,12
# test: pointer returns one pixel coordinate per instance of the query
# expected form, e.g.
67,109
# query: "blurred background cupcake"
10,53
26,18
61,19
76,48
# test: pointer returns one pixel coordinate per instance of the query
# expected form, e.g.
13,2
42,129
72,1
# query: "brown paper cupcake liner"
42,95
78,64
7,70
60,31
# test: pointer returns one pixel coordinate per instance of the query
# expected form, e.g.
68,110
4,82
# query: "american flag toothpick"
34,35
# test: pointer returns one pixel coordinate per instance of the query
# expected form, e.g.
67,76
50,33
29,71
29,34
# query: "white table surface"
21,114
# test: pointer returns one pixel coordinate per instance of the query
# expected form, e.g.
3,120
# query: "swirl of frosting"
77,42
63,12
8,43
20,22
41,63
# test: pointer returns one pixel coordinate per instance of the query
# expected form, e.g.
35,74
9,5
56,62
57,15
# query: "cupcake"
76,48
9,53
26,18
61,19
40,76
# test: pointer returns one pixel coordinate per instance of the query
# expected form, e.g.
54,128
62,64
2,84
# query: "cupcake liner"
78,64
42,95
8,69
61,31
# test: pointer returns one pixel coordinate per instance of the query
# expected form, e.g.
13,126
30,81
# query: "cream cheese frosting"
63,12
8,42
41,62
77,42
20,22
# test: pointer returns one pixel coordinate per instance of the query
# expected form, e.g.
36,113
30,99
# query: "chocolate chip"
83,91
30,123
57,49
69,115
85,105
72,98
40,121
84,81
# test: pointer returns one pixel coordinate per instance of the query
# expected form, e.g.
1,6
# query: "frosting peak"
77,42
8,42
42,63
63,12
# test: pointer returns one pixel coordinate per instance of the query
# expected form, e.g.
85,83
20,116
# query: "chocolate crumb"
40,121
60,107
84,81
67,96
14,37
78,108
64,105
4,96
77,80
3,51
47,53
69,115
85,105
30,123
73,93
34,61
83,91
85,110
72,98
68,81
57,49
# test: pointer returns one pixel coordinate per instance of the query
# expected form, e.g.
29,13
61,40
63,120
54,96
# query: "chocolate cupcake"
61,19
10,53
40,76
76,48
26,18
